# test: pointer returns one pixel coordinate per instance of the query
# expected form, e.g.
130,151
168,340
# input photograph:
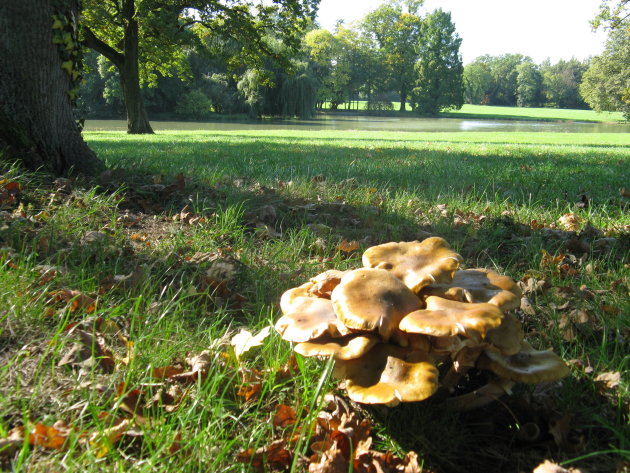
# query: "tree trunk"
37,127
128,68
403,99
137,119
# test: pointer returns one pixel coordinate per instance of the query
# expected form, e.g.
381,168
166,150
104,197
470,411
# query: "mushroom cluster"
411,322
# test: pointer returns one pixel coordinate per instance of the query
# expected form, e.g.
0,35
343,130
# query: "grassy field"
194,236
517,113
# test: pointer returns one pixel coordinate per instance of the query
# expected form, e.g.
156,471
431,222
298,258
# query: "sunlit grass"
324,187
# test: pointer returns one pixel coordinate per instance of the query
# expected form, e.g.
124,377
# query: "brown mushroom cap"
479,285
373,299
508,336
309,318
389,374
293,297
527,366
444,317
324,283
346,348
417,264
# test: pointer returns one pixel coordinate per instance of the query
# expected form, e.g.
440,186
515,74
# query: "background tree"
39,76
439,83
478,81
612,14
396,28
561,82
528,85
143,37
606,84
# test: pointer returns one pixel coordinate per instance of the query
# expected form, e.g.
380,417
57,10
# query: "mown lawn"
194,236
514,113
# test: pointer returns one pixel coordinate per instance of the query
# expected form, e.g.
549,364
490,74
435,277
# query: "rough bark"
128,68
36,122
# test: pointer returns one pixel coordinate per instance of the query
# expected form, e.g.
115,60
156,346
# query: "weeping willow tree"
298,93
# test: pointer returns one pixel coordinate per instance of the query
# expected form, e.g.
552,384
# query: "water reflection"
354,122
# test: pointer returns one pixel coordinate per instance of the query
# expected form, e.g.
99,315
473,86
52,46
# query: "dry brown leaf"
348,246
249,391
608,380
53,437
12,442
285,416
571,222
76,300
273,457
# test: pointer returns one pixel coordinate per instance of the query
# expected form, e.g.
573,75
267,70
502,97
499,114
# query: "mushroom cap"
373,299
293,297
526,366
479,285
389,374
324,283
508,336
346,348
417,264
444,317
309,318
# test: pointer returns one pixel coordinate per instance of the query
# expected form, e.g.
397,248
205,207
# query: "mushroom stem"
481,397
452,377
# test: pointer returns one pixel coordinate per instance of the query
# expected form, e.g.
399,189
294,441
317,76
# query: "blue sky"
555,29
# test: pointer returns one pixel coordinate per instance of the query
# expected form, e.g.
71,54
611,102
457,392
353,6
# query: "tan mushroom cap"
479,285
527,366
508,336
373,300
346,348
444,317
324,283
417,264
389,374
293,297
309,318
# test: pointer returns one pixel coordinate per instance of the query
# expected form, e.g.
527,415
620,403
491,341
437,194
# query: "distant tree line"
395,54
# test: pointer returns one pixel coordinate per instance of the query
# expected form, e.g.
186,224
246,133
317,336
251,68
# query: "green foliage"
528,85
561,82
396,28
606,84
439,83
612,14
193,104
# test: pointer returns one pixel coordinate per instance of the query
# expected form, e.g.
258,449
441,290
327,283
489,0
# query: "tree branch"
92,42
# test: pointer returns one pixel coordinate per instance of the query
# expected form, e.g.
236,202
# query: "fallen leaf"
76,299
571,221
53,437
12,442
249,391
269,458
608,380
285,416
550,467
348,246
245,341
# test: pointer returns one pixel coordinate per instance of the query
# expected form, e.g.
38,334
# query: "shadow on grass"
540,178
486,440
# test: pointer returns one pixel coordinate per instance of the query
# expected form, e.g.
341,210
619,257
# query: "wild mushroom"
309,318
346,348
373,300
324,283
444,317
388,375
526,366
479,285
417,264
508,336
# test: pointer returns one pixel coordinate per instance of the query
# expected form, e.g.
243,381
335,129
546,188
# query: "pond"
372,123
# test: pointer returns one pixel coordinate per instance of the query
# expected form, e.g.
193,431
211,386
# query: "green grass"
516,113
322,187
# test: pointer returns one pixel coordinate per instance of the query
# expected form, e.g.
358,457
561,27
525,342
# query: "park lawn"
513,113
270,209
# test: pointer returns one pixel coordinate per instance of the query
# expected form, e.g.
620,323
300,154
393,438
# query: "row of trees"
515,80
395,53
